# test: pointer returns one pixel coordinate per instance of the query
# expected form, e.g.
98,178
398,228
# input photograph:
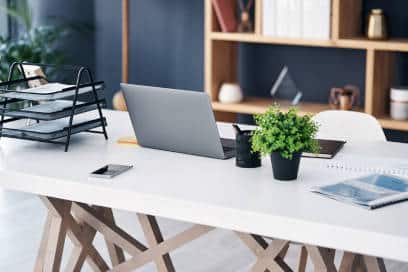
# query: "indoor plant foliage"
284,136
37,44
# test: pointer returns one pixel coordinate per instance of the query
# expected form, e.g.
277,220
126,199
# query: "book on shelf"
316,19
302,19
294,18
226,14
269,17
282,12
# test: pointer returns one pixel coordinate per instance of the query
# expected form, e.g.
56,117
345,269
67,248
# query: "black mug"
245,158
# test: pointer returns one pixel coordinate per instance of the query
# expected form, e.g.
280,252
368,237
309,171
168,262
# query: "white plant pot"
230,93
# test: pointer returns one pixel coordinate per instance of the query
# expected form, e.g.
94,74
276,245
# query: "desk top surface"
209,191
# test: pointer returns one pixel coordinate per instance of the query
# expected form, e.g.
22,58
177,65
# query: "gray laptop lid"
173,120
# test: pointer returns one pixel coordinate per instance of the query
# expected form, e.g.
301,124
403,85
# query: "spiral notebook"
371,192
369,165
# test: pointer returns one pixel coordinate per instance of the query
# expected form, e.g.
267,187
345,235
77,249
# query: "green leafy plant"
284,132
40,44
38,47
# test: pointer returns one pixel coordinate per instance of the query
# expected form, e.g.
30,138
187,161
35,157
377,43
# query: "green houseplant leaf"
284,132
40,44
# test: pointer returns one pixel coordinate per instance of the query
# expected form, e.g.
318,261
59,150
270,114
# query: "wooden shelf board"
256,38
254,105
387,122
397,45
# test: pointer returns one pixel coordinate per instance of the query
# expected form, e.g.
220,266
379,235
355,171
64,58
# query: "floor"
23,217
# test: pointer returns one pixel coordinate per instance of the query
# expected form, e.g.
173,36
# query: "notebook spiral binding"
368,169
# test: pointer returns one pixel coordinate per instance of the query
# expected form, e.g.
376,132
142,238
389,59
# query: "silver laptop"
175,120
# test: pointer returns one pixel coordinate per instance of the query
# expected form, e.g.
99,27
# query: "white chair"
349,126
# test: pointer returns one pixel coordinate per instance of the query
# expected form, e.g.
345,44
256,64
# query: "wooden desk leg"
154,237
59,225
322,258
302,259
116,253
269,256
170,244
52,244
39,265
355,262
80,253
141,254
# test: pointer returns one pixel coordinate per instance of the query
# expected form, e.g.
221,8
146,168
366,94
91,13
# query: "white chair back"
349,126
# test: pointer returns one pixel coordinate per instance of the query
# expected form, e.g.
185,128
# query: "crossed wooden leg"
355,262
270,257
80,223
59,224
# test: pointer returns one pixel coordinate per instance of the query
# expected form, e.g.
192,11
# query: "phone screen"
110,170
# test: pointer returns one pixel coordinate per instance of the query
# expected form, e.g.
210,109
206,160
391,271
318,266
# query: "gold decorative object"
377,25
344,98
245,24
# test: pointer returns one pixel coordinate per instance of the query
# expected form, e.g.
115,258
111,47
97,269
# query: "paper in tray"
52,110
51,130
50,91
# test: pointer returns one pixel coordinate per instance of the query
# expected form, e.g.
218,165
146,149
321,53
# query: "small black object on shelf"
245,157
53,106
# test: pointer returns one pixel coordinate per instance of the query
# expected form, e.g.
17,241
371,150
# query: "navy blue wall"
166,43
80,45
167,50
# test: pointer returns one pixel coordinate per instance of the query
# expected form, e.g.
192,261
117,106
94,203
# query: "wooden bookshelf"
221,61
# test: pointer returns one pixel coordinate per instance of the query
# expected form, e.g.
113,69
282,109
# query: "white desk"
206,191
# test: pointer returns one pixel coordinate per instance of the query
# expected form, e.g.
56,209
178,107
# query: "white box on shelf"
316,19
282,20
269,17
294,18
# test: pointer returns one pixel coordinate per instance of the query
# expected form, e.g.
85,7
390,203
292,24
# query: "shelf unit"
221,61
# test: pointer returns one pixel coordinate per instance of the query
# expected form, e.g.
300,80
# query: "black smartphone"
110,171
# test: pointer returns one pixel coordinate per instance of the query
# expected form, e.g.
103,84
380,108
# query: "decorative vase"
230,93
285,169
377,25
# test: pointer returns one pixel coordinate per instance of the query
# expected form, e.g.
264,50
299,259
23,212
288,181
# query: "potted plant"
284,136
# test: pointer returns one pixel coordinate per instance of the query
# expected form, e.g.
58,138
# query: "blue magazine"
371,192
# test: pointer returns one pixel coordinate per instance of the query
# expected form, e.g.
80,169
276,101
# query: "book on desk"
327,149
371,192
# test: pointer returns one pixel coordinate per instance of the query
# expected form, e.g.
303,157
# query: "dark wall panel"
80,46
167,43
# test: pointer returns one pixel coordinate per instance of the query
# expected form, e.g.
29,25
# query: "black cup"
245,158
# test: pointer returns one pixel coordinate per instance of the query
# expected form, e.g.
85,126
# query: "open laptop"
175,120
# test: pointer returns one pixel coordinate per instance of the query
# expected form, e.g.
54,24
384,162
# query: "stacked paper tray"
50,91
51,130
52,110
